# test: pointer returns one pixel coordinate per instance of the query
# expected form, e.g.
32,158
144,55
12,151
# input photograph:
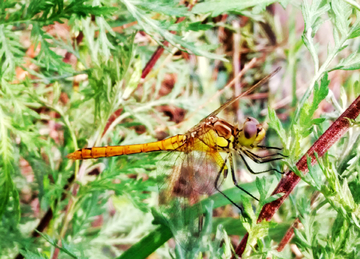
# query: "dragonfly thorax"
251,133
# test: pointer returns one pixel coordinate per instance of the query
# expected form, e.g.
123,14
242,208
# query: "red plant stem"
111,119
78,40
152,61
290,180
290,232
288,236
159,51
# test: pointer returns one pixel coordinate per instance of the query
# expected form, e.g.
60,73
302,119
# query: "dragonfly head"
251,133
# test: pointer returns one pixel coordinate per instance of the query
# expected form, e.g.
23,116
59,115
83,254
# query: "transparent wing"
189,176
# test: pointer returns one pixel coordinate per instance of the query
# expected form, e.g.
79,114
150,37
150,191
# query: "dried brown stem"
290,180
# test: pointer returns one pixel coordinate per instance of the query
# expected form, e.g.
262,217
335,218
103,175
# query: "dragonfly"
197,165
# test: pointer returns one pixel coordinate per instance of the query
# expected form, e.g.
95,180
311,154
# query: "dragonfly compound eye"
250,128
252,133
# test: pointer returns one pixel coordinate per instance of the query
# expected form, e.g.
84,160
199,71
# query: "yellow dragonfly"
197,166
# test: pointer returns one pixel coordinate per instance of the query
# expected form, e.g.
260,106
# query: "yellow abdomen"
96,152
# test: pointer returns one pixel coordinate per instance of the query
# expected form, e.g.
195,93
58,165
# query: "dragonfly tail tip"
72,156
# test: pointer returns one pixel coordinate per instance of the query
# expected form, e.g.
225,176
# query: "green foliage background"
109,208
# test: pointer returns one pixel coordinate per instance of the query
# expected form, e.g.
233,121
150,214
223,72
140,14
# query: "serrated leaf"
318,121
249,217
155,28
195,26
32,255
5,190
354,33
16,204
320,93
275,123
134,79
349,63
340,13
312,13
10,50
83,10
47,57
105,45
305,115
260,185
313,174
309,44
347,195
273,198
308,109
165,7
217,7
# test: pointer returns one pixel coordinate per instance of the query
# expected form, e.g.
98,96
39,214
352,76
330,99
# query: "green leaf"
340,14
312,14
318,121
63,248
147,245
165,7
194,26
47,57
355,33
32,255
313,173
275,123
273,198
11,52
153,27
6,153
6,187
309,108
217,7
105,46
83,10
134,79
320,93
351,62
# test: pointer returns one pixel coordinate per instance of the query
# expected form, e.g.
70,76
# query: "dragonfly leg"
259,159
217,186
235,180
251,171
276,148
266,147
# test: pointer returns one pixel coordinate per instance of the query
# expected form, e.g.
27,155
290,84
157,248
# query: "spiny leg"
235,180
251,171
267,147
218,178
258,159
276,148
